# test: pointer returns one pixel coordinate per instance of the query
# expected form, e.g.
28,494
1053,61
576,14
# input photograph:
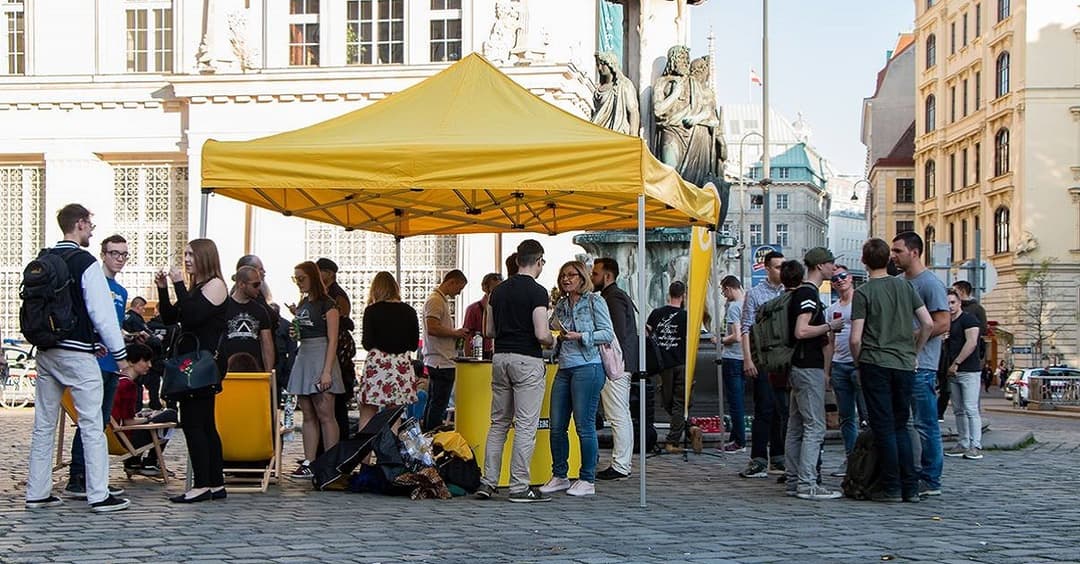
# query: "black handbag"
191,373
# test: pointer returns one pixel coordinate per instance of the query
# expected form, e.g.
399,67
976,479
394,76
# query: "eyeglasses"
839,276
541,261
118,255
298,278
255,285
568,276
88,222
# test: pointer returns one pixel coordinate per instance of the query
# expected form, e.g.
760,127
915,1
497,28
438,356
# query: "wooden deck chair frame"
252,403
117,440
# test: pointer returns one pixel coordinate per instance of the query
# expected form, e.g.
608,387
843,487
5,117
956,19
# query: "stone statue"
504,32
216,53
687,121
615,102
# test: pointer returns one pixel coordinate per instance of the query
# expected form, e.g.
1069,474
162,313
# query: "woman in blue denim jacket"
583,319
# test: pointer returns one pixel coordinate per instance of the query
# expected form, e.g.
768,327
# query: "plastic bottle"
287,419
478,346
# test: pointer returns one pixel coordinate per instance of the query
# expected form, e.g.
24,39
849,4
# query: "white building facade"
116,119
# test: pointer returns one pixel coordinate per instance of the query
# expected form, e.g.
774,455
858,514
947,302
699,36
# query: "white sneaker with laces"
581,488
555,484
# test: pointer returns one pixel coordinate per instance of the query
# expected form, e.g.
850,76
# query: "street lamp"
855,188
742,200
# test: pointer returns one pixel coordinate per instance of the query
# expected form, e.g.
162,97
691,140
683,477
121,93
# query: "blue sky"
824,56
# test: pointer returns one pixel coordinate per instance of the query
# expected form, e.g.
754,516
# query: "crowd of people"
878,347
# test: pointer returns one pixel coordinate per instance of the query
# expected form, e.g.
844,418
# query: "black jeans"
440,385
888,394
673,396
203,442
151,381
769,428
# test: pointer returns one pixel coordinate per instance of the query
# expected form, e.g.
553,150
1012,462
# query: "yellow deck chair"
247,421
119,444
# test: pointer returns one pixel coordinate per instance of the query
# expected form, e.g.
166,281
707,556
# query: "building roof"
797,157
903,153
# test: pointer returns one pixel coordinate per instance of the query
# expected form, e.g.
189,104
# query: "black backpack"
47,313
863,477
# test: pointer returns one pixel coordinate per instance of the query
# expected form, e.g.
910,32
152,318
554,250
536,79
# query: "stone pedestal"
667,258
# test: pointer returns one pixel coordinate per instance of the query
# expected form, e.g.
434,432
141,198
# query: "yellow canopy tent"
466,151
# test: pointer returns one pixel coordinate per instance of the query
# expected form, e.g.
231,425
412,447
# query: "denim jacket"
591,318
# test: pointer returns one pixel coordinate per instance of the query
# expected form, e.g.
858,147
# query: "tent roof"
466,151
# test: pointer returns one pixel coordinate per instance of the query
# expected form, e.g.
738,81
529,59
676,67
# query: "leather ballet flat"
205,496
220,494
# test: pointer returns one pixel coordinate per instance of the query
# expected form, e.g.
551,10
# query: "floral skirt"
388,379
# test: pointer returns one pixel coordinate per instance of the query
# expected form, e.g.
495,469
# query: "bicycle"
18,379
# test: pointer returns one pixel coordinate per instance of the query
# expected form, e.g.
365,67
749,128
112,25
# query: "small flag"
754,78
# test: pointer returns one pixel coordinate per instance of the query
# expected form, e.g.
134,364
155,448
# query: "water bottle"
478,346
287,419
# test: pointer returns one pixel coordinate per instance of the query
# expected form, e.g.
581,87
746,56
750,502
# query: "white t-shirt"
439,352
841,342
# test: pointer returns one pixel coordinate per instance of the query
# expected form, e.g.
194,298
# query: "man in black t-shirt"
963,373
809,364
248,329
518,320
667,324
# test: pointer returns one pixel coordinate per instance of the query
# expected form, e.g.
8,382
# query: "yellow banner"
697,286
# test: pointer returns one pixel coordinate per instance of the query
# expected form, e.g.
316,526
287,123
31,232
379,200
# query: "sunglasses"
255,285
839,277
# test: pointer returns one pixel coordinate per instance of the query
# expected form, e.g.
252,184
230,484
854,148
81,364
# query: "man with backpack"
66,299
114,255
882,314
767,430
810,359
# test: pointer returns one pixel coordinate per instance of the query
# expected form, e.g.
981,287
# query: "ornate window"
963,239
755,234
149,36
303,33
782,234
375,32
1001,230
1001,152
977,164
931,110
151,213
978,90
931,50
978,19
929,238
361,254
952,172
905,190
445,30
22,234
1002,9
1001,75
781,201
13,37
903,226
929,179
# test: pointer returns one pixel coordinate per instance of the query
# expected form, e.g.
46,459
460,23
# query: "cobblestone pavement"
1012,506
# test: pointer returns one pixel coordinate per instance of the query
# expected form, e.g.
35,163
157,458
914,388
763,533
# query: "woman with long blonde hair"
316,374
391,333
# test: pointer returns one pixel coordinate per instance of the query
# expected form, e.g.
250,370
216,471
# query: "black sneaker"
75,488
486,492
530,495
755,469
51,501
302,472
611,474
111,503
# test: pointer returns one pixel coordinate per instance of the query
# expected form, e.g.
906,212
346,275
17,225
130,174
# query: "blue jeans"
849,400
734,392
78,464
575,389
888,399
440,386
924,411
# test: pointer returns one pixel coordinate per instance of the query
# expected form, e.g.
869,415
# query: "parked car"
1016,386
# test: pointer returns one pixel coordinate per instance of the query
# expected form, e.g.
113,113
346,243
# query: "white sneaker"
581,488
555,484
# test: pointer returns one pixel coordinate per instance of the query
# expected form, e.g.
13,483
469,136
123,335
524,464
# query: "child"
140,358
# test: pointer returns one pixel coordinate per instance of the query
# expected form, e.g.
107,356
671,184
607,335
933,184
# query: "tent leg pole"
641,264
204,209
397,260
719,332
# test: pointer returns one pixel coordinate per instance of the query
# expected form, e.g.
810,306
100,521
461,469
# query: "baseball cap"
327,265
818,256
